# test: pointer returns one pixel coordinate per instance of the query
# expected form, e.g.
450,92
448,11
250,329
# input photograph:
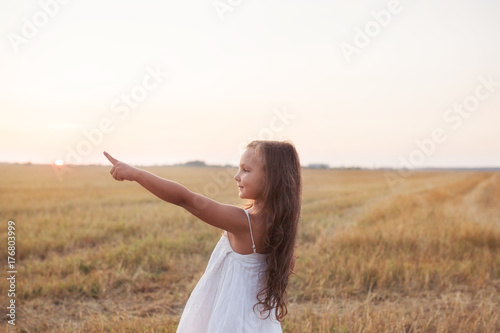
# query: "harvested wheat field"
96,255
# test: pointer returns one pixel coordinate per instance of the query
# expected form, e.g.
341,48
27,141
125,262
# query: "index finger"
110,158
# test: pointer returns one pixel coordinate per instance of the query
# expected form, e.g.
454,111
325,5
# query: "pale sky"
358,83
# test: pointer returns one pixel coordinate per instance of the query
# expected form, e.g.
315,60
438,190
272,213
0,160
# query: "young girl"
244,285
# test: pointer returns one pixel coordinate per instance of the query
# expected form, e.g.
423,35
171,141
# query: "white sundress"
224,298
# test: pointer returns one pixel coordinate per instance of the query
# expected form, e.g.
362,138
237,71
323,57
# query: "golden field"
97,255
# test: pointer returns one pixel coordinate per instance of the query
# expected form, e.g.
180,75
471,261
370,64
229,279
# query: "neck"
257,206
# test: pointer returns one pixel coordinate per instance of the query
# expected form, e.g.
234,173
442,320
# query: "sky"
359,83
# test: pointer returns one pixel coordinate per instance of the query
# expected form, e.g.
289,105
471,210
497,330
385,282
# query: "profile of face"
250,175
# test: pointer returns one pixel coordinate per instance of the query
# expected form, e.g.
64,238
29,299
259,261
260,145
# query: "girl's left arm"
226,217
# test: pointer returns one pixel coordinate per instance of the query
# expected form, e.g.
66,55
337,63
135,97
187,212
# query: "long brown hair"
281,210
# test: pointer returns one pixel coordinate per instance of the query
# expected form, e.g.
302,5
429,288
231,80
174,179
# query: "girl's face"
250,176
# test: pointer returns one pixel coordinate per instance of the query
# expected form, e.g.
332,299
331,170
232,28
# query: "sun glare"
59,162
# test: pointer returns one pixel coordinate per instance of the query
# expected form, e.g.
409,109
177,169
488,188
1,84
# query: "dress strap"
251,234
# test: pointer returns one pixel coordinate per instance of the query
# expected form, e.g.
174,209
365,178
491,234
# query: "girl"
244,285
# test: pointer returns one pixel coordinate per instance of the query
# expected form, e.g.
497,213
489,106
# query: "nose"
237,177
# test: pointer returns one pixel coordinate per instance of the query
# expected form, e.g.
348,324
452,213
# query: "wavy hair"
281,211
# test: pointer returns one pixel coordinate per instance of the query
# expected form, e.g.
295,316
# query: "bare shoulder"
258,222
242,242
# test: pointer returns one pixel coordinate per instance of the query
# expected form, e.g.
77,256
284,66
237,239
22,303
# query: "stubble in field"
98,255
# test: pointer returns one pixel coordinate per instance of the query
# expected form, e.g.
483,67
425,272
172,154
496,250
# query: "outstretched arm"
164,189
227,217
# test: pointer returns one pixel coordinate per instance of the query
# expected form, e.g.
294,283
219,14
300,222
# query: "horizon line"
319,166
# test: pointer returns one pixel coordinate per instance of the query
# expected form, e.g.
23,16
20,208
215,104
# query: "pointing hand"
120,170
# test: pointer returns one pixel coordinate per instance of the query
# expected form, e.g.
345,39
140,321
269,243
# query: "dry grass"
97,255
